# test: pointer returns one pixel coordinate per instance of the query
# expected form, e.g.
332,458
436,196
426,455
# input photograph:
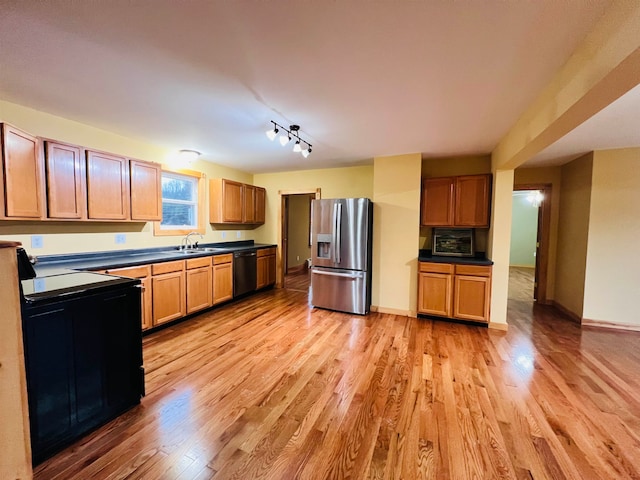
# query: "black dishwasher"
244,272
83,355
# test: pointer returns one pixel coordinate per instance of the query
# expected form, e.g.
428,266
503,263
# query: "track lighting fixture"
287,135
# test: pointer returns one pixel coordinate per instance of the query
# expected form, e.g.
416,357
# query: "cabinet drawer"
198,262
131,272
263,252
436,267
475,270
226,258
167,267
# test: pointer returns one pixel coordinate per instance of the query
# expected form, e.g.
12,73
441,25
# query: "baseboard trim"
565,311
587,322
392,311
499,326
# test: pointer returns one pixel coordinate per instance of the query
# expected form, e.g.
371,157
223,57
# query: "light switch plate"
121,238
224,234
37,241
238,234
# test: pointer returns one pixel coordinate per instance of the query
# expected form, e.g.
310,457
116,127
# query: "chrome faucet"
186,241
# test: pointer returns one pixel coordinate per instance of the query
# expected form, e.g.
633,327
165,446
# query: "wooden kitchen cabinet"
456,291
21,176
199,284
260,203
107,186
233,202
146,190
472,292
266,267
461,201
143,272
222,278
66,181
435,288
168,291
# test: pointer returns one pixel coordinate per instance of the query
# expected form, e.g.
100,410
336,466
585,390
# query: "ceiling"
361,78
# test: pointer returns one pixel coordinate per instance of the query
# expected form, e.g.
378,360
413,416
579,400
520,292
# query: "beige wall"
573,233
298,240
553,176
396,228
349,182
69,237
612,277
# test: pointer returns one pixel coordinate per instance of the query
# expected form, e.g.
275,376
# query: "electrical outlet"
224,235
121,238
238,234
37,241
297,257
39,284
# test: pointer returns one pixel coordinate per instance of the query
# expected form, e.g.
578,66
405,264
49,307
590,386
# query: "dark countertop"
60,264
479,259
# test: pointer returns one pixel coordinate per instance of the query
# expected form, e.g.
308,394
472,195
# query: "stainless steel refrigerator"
341,231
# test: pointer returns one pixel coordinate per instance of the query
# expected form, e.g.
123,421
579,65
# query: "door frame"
542,240
282,223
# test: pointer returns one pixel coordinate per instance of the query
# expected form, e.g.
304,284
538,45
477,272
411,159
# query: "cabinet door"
231,201
261,195
22,174
434,293
199,289
222,282
168,291
437,201
471,298
146,190
472,201
248,203
66,185
262,264
271,272
107,186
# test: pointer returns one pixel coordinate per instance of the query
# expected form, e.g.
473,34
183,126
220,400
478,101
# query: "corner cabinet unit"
456,291
22,189
235,203
456,201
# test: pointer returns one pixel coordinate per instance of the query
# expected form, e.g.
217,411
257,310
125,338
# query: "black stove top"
41,288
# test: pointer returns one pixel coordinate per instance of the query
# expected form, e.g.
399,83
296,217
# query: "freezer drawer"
342,290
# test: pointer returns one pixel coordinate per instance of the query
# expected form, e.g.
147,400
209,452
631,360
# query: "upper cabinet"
146,191
21,176
66,185
233,202
456,201
107,186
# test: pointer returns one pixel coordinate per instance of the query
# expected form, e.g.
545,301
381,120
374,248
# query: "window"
182,203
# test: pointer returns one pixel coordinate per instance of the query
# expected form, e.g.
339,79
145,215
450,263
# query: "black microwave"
453,242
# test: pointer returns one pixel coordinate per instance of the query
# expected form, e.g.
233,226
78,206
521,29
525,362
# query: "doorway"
295,238
528,262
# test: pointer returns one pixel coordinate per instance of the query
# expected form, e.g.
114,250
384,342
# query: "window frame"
201,185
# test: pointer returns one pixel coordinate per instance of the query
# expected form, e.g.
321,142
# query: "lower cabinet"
456,291
83,363
266,266
142,272
222,278
168,291
199,284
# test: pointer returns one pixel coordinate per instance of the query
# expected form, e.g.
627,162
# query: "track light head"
297,147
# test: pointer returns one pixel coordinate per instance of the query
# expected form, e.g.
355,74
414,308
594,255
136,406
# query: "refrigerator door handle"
337,274
338,232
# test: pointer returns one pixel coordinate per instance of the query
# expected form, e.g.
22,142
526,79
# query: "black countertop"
479,259
68,263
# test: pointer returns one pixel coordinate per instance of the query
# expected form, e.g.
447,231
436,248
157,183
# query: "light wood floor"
269,388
